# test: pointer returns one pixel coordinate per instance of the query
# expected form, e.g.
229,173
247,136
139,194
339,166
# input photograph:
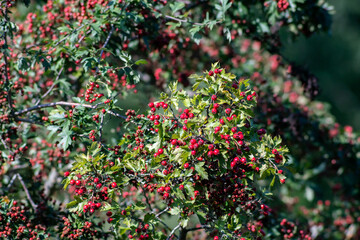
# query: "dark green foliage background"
334,58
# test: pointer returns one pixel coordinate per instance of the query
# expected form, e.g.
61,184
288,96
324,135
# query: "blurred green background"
335,59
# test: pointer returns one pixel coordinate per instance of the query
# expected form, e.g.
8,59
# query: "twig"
11,181
5,145
101,127
7,81
147,199
52,86
61,103
69,35
173,231
104,46
163,211
17,175
182,20
28,121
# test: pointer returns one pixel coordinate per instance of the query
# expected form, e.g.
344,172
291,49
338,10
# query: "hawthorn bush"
90,149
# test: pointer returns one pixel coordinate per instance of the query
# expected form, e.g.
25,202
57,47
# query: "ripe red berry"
78,182
181,187
214,97
96,180
186,165
214,110
217,71
228,111
282,181
72,182
66,174
160,151
113,184
211,73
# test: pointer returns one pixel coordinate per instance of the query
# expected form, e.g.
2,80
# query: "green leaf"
180,155
141,61
184,222
174,211
23,64
199,169
176,6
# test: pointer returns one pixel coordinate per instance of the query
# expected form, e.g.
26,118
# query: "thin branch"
163,211
147,199
11,181
183,20
17,175
61,103
5,145
173,231
104,46
7,80
67,36
51,88
28,121
101,127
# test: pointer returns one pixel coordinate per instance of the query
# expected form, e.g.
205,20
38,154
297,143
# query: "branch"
69,35
147,199
182,20
17,175
52,86
61,103
28,121
173,231
104,46
101,127
163,211
7,81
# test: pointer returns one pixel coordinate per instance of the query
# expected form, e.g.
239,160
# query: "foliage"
69,73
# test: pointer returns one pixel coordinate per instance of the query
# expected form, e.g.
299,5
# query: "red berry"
214,97
186,165
211,73
282,181
113,184
66,174
160,151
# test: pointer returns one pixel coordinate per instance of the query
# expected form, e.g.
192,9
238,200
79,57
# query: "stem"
104,46
52,86
61,103
7,80
17,175
173,231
